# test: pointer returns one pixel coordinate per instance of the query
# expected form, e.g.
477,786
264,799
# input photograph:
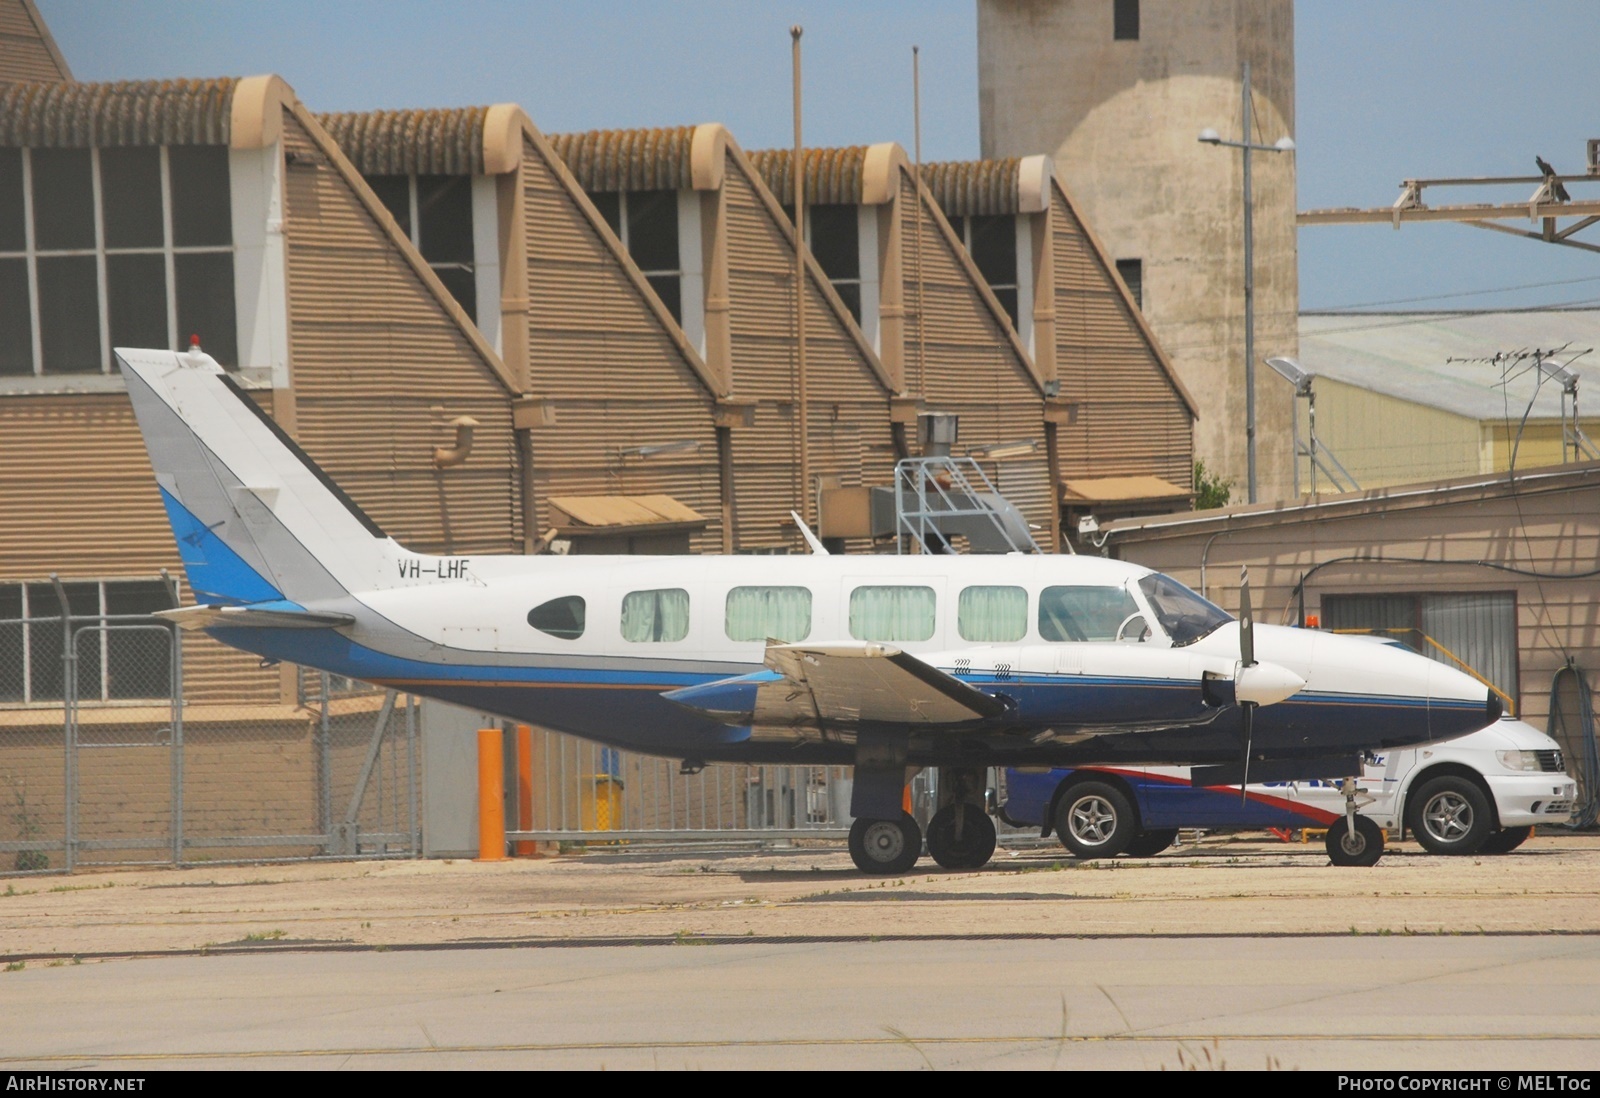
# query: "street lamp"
1210,136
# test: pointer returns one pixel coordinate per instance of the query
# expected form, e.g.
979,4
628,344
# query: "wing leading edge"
841,684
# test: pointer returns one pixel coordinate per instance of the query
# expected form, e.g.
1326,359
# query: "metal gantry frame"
1549,202
929,491
1320,457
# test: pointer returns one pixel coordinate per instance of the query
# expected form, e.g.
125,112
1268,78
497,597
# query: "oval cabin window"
561,617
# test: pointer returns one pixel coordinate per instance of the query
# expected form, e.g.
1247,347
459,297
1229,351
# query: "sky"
1385,92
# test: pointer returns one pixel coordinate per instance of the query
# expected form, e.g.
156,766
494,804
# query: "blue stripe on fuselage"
624,705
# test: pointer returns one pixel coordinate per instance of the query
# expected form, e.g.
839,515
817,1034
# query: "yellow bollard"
491,796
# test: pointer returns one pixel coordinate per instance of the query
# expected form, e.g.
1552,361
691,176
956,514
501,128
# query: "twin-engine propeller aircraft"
883,663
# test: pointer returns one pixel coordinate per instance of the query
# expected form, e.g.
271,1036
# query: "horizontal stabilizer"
848,683
275,615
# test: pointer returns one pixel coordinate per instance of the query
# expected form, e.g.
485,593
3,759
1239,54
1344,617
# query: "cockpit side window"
1084,613
1184,615
562,617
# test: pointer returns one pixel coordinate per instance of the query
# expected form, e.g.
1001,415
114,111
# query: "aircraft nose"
1459,703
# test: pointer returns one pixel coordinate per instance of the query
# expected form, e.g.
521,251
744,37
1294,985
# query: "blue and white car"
1480,793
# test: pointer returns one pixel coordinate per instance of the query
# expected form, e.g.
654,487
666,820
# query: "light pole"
1284,144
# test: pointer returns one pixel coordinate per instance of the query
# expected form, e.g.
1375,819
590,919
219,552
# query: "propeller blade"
1249,714
1247,633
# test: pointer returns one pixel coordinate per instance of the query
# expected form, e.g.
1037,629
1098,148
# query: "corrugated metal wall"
23,52
616,378
1130,419
78,498
77,495
848,405
1383,440
961,358
380,366
1553,533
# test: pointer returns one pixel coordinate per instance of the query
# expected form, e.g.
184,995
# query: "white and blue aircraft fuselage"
883,663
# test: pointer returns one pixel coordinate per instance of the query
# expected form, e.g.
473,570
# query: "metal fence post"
177,747
325,769
69,723
411,770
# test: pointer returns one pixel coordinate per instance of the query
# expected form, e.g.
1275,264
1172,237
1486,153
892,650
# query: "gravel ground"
1221,885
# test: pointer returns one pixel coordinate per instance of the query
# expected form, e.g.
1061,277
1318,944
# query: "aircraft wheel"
1147,844
1504,842
1364,847
885,847
1095,820
1450,815
975,846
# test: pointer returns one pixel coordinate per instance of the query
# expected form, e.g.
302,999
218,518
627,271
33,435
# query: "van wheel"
1362,847
1504,842
1450,815
1147,844
1095,820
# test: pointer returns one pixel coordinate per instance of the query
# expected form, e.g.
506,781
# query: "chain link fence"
105,759
580,790
125,741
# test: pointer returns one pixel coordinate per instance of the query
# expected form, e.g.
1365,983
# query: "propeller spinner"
1255,683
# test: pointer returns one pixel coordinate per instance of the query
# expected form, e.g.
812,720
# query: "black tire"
1450,815
1364,847
975,846
1095,820
885,847
1504,842
1147,844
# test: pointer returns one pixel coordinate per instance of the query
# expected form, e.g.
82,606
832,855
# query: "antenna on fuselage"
817,548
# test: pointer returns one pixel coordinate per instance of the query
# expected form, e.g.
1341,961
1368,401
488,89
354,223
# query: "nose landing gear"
1355,839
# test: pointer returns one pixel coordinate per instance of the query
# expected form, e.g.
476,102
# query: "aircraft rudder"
254,518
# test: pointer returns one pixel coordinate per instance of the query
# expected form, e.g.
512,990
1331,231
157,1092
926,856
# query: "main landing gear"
961,835
885,847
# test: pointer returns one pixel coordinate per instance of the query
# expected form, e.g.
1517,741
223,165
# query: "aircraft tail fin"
255,520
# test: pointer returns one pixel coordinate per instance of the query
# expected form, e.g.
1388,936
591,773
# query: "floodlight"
1284,144
655,448
1294,373
999,450
1556,372
1210,136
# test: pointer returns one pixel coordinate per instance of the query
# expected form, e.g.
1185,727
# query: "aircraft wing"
850,683
275,615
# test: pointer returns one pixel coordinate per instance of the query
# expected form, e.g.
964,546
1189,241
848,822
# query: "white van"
1481,792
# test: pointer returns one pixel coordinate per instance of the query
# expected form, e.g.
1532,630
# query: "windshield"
1184,615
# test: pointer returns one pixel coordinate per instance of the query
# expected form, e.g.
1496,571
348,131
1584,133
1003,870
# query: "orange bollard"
491,796
525,848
